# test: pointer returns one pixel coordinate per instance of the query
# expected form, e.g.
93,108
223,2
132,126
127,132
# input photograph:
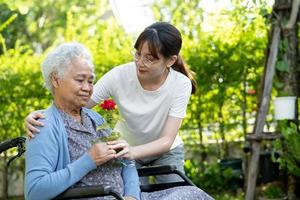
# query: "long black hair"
165,39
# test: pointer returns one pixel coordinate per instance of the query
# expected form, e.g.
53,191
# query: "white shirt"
144,112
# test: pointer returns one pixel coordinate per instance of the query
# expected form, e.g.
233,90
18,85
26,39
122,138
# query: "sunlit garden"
244,55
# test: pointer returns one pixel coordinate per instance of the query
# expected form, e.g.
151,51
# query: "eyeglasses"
136,56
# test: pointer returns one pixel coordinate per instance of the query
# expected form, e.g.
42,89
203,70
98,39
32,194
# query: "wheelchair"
98,190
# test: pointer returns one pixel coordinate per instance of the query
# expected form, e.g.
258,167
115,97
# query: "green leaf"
282,66
284,44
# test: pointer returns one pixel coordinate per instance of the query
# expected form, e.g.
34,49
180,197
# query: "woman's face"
153,71
77,85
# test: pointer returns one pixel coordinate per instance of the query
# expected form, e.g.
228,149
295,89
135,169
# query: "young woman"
152,94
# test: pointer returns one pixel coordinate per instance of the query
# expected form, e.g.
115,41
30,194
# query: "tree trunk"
290,56
244,103
225,149
201,145
290,79
291,187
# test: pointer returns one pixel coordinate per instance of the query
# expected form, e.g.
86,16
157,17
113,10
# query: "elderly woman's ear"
54,80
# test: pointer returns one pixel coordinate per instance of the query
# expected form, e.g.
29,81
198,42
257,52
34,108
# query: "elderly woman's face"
77,85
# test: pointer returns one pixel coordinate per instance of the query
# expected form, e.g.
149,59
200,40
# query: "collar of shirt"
87,125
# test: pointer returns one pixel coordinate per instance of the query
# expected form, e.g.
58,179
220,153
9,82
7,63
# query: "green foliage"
20,89
213,177
229,196
272,191
282,66
288,147
11,22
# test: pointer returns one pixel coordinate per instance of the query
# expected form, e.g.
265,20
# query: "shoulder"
52,117
121,74
179,76
52,121
120,70
124,68
181,81
51,132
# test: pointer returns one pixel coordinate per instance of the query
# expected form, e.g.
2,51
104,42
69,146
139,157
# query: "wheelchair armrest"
156,170
88,191
164,169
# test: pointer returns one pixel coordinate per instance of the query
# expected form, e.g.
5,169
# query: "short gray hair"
58,60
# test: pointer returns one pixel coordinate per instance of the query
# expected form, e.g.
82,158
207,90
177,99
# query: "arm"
162,144
176,113
154,148
131,180
46,176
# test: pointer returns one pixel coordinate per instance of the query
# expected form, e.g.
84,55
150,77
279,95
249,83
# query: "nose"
139,62
86,86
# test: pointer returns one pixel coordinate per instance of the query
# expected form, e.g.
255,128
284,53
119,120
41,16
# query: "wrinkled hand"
31,121
123,148
101,153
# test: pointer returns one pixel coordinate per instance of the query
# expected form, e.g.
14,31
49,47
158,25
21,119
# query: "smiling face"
76,87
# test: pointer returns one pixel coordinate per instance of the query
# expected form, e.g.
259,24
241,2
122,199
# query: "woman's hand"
125,151
31,121
101,153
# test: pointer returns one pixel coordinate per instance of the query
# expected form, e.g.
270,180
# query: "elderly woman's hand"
31,121
123,147
101,153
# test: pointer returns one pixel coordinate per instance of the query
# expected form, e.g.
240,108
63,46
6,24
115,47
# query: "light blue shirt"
49,171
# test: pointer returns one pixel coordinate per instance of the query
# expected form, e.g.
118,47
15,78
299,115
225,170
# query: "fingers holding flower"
122,148
112,140
101,153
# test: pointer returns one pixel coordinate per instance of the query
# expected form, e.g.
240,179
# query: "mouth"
84,97
142,70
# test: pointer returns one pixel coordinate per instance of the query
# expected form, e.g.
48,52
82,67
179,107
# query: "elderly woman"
63,154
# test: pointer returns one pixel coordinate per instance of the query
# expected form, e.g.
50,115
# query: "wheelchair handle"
16,142
88,191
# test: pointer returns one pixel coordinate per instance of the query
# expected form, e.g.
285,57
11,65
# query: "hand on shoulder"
31,121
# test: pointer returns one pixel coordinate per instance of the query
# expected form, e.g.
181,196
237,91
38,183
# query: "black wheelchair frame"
98,190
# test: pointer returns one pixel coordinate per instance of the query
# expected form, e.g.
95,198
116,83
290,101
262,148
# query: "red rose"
108,105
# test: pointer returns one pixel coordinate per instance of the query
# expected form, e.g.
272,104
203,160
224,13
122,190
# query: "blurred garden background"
224,42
